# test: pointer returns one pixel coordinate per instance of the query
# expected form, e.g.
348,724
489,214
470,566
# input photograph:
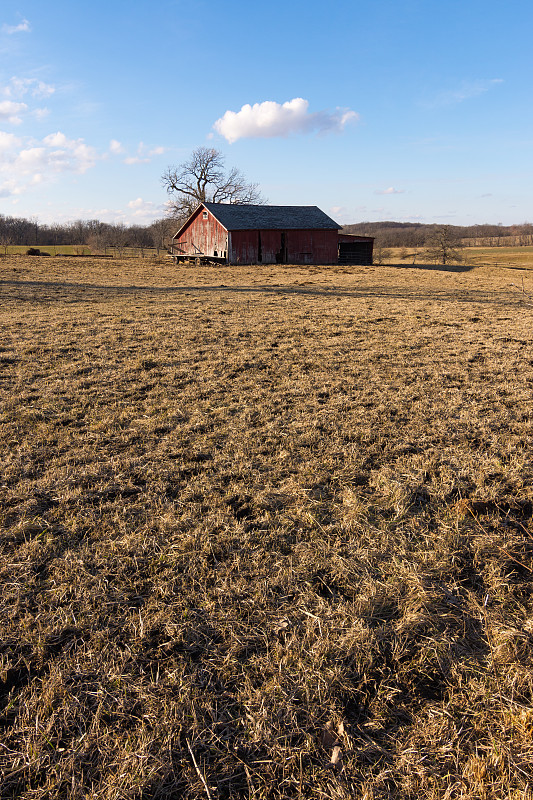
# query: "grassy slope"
250,514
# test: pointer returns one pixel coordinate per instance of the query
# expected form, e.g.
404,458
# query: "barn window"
204,215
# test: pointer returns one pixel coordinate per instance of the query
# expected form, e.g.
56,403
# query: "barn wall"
202,236
270,246
313,247
284,247
244,247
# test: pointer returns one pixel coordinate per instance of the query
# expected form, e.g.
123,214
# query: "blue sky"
413,110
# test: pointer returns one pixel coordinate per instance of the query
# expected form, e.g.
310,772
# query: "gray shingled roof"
247,217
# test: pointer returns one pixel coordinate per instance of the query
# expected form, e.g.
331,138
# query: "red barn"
253,234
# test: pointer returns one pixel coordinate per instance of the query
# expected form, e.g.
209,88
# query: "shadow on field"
435,267
85,291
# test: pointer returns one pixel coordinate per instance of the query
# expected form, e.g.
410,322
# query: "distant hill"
412,234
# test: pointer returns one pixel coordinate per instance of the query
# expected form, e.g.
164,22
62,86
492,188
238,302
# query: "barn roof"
247,217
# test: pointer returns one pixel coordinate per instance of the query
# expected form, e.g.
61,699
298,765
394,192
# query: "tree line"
99,235
89,233
414,234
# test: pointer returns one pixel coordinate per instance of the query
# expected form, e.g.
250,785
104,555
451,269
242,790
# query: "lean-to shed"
255,234
355,249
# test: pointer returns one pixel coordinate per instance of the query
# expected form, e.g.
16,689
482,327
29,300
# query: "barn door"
281,255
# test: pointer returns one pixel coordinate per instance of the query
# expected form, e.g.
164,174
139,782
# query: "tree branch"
203,179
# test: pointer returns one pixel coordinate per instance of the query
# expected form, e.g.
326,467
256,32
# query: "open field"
505,257
53,250
256,520
81,250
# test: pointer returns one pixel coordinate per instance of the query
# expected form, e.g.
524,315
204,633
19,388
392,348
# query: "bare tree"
203,178
381,255
443,245
162,231
6,237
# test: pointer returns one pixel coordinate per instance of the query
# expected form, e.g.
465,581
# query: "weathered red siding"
353,237
284,247
202,236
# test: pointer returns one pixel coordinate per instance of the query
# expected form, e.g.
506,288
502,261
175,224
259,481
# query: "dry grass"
265,532
507,257
504,257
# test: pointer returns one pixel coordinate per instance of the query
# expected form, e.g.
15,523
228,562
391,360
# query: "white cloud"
10,188
136,160
40,113
18,87
340,214
55,139
145,209
144,155
466,91
270,119
132,214
390,190
137,212
139,203
26,162
42,89
8,141
115,147
30,160
82,212
22,27
15,91
9,111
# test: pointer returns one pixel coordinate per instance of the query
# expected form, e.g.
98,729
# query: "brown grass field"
504,257
265,532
